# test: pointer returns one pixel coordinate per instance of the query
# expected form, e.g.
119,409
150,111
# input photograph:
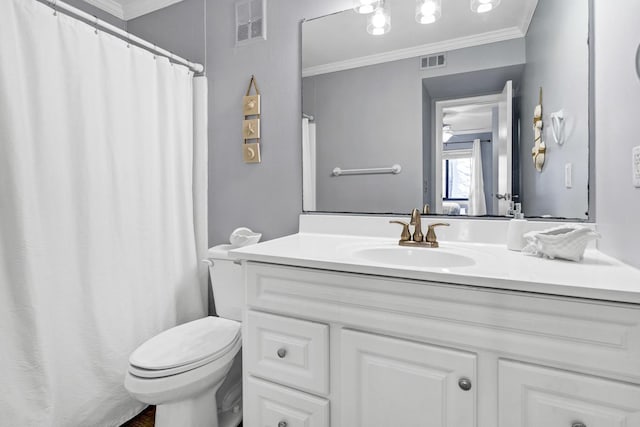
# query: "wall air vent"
433,61
251,21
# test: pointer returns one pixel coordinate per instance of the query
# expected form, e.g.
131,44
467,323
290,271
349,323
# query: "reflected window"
456,176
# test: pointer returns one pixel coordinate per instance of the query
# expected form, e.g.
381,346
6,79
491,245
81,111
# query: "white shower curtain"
477,202
98,242
308,165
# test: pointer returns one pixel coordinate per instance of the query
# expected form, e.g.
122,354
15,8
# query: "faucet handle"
425,209
431,234
406,235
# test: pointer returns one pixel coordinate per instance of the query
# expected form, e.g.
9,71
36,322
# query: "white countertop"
598,276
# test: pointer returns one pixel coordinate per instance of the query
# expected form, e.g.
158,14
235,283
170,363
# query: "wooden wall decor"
251,124
539,149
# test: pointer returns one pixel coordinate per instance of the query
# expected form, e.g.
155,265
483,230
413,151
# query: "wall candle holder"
251,124
539,149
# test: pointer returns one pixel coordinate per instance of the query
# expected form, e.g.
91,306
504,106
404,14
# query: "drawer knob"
282,424
282,352
465,384
578,424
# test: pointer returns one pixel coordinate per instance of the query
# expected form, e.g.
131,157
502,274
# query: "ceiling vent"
433,61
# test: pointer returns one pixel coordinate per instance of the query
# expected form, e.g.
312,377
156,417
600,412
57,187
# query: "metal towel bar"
395,169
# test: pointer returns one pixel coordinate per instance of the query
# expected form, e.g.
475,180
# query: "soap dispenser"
517,228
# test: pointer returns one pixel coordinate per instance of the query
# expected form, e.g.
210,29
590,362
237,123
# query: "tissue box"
560,242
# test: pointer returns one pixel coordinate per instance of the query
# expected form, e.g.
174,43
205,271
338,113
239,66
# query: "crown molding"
112,7
136,8
528,17
412,52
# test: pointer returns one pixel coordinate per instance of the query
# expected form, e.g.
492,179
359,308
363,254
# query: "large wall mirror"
443,113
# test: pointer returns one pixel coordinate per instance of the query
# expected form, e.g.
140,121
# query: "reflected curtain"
98,242
308,165
477,202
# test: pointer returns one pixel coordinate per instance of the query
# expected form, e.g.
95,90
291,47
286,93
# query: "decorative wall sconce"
638,61
365,6
557,126
539,149
428,11
251,124
484,6
379,22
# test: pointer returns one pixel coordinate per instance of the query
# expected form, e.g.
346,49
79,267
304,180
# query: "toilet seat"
185,347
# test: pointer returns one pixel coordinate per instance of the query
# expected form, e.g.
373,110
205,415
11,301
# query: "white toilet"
193,372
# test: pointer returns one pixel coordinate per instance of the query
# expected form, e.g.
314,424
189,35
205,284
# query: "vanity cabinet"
534,396
387,382
326,348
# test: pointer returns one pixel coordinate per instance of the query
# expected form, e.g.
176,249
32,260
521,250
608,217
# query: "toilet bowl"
192,372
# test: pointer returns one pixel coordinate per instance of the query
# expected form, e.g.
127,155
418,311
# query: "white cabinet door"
535,396
392,382
271,405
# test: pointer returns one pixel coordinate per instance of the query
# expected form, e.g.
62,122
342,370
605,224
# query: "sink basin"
413,257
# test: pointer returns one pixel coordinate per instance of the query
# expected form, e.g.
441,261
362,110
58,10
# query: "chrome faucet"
418,239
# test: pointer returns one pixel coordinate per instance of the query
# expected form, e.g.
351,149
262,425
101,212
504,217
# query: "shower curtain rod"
122,34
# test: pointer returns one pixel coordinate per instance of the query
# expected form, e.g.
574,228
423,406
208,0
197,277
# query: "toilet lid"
187,344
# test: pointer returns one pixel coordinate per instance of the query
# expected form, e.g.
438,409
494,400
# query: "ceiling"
340,41
130,9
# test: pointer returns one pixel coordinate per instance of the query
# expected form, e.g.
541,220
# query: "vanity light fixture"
365,6
379,22
428,11
484,6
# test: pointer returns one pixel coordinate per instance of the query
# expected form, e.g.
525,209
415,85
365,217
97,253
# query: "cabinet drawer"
535,396
394,382
289,351
271,405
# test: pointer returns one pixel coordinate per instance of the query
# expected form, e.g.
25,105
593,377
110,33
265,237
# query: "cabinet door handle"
282,424
578,424
282,352
465,384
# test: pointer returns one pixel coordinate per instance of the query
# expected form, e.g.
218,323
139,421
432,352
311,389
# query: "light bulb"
379,22
428,11
378,19
484,6
365,6
429,8
428,19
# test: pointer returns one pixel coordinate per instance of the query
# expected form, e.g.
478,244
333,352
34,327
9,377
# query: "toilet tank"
226,283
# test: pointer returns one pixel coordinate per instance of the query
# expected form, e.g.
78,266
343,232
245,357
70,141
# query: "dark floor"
145,419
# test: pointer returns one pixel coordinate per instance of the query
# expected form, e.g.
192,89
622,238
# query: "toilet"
193,372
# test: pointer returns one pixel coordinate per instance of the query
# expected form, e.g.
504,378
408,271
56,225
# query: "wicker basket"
560,242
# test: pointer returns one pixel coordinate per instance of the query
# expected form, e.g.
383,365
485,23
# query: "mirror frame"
591,187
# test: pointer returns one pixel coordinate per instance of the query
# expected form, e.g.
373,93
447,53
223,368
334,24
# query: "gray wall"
266,197
428,149
179,28
557,60
367,117
483,57
617,35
